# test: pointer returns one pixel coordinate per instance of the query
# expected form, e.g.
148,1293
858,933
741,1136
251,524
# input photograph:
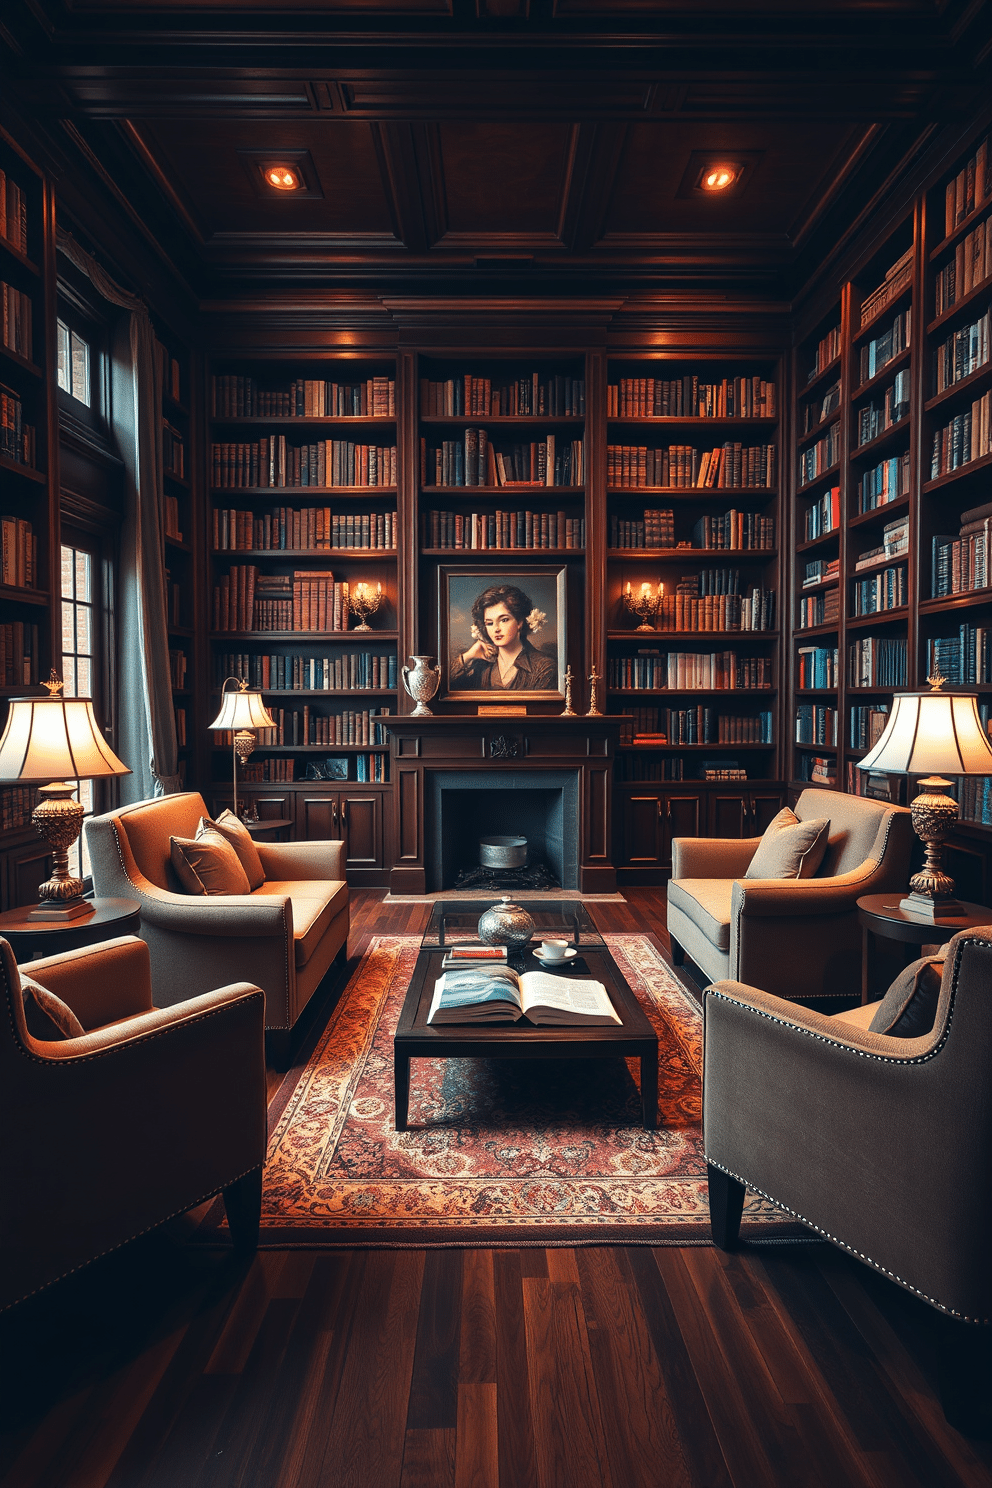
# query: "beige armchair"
794,937
146,1114
881,1144
283,937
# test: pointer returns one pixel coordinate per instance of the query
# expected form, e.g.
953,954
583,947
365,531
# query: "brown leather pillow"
237,834
207,864
909,1007
790,848
46,1015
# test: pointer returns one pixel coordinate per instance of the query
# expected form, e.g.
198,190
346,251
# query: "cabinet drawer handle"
334,813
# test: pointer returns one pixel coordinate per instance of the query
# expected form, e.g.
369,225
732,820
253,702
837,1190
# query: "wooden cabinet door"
26,867
683,815
642,829
765,806
361,827
729,814
318,816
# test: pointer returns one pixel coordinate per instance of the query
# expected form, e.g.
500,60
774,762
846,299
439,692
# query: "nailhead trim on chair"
882,1059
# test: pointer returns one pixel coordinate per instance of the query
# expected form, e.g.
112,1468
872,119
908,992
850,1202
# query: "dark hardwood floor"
171,1365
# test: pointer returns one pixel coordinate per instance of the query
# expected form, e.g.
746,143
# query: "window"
74,364
78,661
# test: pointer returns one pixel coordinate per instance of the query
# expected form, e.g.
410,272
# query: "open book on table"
498,994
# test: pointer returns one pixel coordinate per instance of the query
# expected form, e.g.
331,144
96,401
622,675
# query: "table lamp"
241,711
932,734
57,741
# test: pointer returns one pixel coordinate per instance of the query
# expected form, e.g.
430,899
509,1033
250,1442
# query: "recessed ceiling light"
282,177
719,176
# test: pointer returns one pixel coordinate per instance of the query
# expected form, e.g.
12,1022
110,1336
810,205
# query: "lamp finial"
935,680
54,684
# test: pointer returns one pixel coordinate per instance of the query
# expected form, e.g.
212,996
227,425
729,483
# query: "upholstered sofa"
795,937
282,937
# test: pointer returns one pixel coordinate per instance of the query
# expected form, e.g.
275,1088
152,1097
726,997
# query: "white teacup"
553,950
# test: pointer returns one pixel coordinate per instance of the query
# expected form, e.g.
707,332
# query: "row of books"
873,783
364,768
19,654
178,666
689,671
712,581
818,769
975,799
640,767
969,268
352,671
271,462
867,724
818,609
681,465
817,666
967,437
175,600
311,528
169,371
877,661
241,397
754,610
964,659
822,515
736,531
244,599
540,462
704,725
884,348
969,189
13,213
895,541
17,803
655,530
173,451
818,410
961,354
180,716
888,590
531,396
690,397
15,306
897,276
827,348
885,482
875,418
821,571
816,724
18,553
820,456
17,438
269,771
962,564
304,727
502,529
172,528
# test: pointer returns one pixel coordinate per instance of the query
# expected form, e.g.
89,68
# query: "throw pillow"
207,864
790,848
909,1007
237,834
46,1015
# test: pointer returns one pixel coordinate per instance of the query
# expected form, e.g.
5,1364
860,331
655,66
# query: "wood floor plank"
434,1385
562,1265
477,1344
477,1442
517,1448
568,1428
429,1459
238,1337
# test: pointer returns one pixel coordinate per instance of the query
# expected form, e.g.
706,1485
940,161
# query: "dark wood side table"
32,938
271,828
880,915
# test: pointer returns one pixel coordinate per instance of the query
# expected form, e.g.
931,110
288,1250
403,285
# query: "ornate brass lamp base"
931,894
59,819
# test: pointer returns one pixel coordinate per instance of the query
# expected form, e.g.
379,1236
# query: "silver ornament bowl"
502,852
506,924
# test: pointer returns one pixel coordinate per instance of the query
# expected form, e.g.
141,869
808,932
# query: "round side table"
32,938
880,915
270,828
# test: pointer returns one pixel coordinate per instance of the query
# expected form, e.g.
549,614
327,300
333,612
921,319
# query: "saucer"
569,955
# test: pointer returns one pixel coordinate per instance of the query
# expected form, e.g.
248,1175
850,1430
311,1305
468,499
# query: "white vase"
422,681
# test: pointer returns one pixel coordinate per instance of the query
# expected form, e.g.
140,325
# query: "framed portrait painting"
502,632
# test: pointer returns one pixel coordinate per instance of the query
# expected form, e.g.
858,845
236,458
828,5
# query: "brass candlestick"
569,711
593,710
364,601
644,605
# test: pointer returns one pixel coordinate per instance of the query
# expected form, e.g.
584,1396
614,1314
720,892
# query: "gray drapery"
147,729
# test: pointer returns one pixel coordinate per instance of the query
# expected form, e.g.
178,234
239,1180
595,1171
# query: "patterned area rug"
498,1151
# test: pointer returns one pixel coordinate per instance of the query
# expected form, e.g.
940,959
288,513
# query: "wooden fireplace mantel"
466,742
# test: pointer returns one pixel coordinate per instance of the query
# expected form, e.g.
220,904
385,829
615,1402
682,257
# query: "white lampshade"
55,738
932,733
243,709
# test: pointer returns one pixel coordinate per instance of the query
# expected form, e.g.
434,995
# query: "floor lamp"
55,742
241,711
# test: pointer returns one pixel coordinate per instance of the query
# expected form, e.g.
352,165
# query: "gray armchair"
881,1144
283,937
794,937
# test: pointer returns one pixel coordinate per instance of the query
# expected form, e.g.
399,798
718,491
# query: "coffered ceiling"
468,141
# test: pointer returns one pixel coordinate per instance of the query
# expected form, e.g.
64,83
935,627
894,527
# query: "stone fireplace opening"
462,806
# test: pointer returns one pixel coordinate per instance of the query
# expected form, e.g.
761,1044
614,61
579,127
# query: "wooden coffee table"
633,1038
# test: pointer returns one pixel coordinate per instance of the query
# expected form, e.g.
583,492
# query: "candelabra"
644,605
364,602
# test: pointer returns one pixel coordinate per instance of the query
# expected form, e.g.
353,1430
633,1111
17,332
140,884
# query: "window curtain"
147,725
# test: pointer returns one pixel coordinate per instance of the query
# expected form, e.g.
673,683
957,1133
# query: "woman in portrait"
501,657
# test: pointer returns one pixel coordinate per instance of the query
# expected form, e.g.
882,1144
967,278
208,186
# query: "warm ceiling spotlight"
719,177
282,177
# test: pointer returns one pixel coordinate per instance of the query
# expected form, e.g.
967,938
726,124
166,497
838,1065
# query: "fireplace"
462,806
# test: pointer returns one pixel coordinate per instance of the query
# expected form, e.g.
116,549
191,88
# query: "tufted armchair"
283,937
797,938
882,1144
142,1116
